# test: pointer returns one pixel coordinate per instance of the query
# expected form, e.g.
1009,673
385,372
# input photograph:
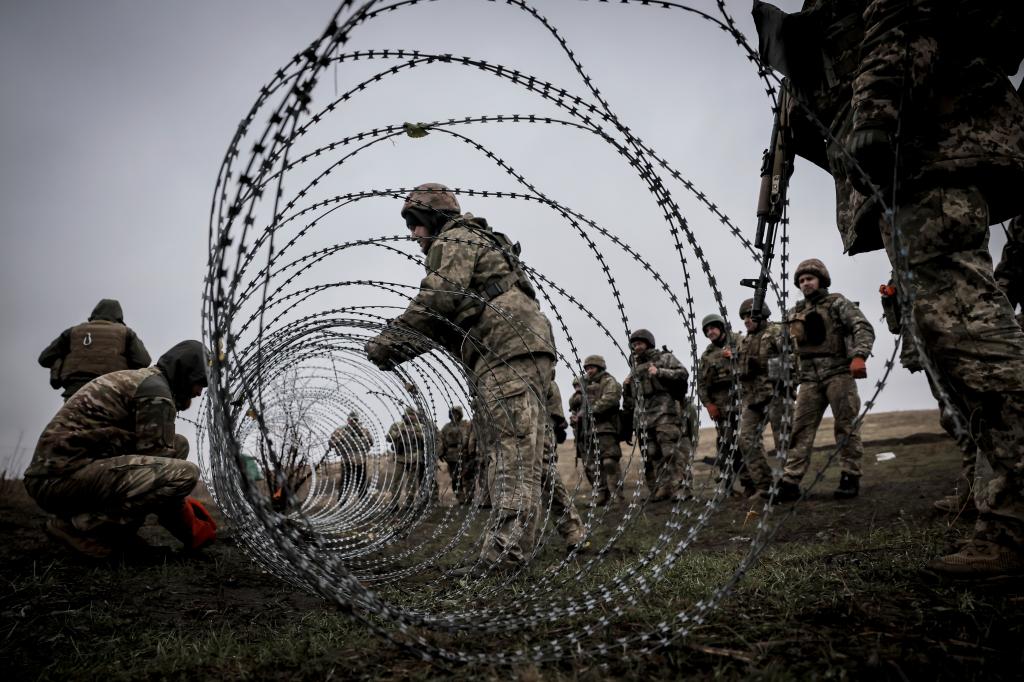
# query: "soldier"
110,457
833,340
600,412
661,380
352,444
761,376
477,300
407,439
576,421
714,390
454,437
88,350
563,509
937,72
475,468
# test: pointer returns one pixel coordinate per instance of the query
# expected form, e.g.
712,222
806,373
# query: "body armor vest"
97,348
453,437
817,332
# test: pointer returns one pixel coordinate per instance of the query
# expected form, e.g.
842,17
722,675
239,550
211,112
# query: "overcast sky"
116,116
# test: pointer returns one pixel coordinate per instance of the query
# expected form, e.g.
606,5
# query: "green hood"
184,365
108,309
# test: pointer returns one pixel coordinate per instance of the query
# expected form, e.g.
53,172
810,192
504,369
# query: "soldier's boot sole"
84,544
955,504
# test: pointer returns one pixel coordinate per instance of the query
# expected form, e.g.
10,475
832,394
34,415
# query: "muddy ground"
839,595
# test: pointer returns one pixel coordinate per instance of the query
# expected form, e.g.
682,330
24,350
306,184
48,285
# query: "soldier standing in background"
661,380
576,421
452,445
406,437
88,350
603,394
110,457
833,340
918,98
714,390
352,444
478,301
760,368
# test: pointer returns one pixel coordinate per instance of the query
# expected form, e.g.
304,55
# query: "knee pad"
610,466
181,448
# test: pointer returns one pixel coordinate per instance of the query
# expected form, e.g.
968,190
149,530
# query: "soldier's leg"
970,334
116,491
843,398
563,509
752,424
513,394
811,403
667,433
611,453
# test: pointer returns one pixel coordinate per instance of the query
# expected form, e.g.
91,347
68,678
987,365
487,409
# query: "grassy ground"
839,595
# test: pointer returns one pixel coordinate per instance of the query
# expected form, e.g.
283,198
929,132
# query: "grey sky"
115,117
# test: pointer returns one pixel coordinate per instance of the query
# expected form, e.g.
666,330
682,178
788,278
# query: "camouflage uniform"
714,388
563,508
407,438
479,303
110,455
829,331
352,444
600,416
454,436
661,424
939,70
577,422
101,345
476,468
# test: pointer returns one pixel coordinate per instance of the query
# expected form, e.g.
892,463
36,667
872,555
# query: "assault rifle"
776,167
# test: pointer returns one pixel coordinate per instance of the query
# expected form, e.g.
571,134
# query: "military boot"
980,559
849,486
90,545
958,503
786,491
602,497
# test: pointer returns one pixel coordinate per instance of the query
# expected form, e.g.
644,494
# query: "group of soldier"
903,103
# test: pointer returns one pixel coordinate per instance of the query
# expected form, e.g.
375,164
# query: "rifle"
776,168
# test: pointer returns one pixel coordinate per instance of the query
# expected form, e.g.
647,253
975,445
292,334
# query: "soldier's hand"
379,353
873,151
713,411
859,368
652,370
560,434
727,353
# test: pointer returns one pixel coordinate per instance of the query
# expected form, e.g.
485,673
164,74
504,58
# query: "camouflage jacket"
406,436
554,406
759,352
659,404
452,443
471,448
575,413
1010,271
959,118
603,393
352,441
829,330
465,265
130,412
714,375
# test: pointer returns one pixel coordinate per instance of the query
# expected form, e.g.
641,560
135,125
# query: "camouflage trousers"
118,492
602,463
729,455
513,399
753,420
969,333
667,459
553,491
840,393
410,484
352,481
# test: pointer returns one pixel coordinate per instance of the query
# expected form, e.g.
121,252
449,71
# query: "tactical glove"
872,149
713,411
858,368
380,354
560,434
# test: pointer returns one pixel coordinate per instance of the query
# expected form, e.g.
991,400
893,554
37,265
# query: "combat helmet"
642,335
430,204
748,305
596,361
813,266
456,410
713,318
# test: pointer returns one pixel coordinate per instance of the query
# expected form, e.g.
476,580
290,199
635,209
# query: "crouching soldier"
659,380
110,457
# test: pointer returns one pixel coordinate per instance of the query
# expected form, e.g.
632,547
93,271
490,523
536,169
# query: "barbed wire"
362,524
